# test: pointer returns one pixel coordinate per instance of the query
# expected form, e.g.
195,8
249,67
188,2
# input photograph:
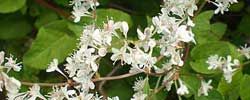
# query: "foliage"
38,31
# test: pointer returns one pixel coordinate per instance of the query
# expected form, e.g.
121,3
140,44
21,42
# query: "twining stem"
54,8
102,83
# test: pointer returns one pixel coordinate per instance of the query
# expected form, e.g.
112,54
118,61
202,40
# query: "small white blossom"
79,12
139,84
205,87
139,96
53,66
184,34
176,59
11,84
245,51
34,93
114,98
81,8
224,64
12,64
182,90
214,62
56,94
222,5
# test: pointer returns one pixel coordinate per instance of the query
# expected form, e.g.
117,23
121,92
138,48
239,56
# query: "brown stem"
43,84
53,7
96,79
102,83
187,50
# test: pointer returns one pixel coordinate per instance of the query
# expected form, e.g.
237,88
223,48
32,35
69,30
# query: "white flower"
53,66
191,7
245,51
56,94
11,84
85,96
34,93
139,84
184,34
214,62
224,64
119,54
123,27
79,12
205,87
146,41
182,90
220,8
228,74
190,22
142,60
1,57
222,5
227,68
82,7
139,96
12,64
91,61
102,51
176,59
114,98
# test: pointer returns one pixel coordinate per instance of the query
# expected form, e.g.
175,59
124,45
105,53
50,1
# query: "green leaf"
200,54
202,21
119,88
244,88
213,95
237,7
192,82
160,95
7,6
201,66
14,26
231,90
206,32
53,41
45,18
217,47
146,88
104,14
244,25
218,29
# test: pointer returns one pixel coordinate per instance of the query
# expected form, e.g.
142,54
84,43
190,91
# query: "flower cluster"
174,26
222,5
139,89
82,65
173,29
10,84
81,8
225,64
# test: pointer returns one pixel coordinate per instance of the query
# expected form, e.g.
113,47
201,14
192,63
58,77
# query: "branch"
43,84
54,8
100,87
